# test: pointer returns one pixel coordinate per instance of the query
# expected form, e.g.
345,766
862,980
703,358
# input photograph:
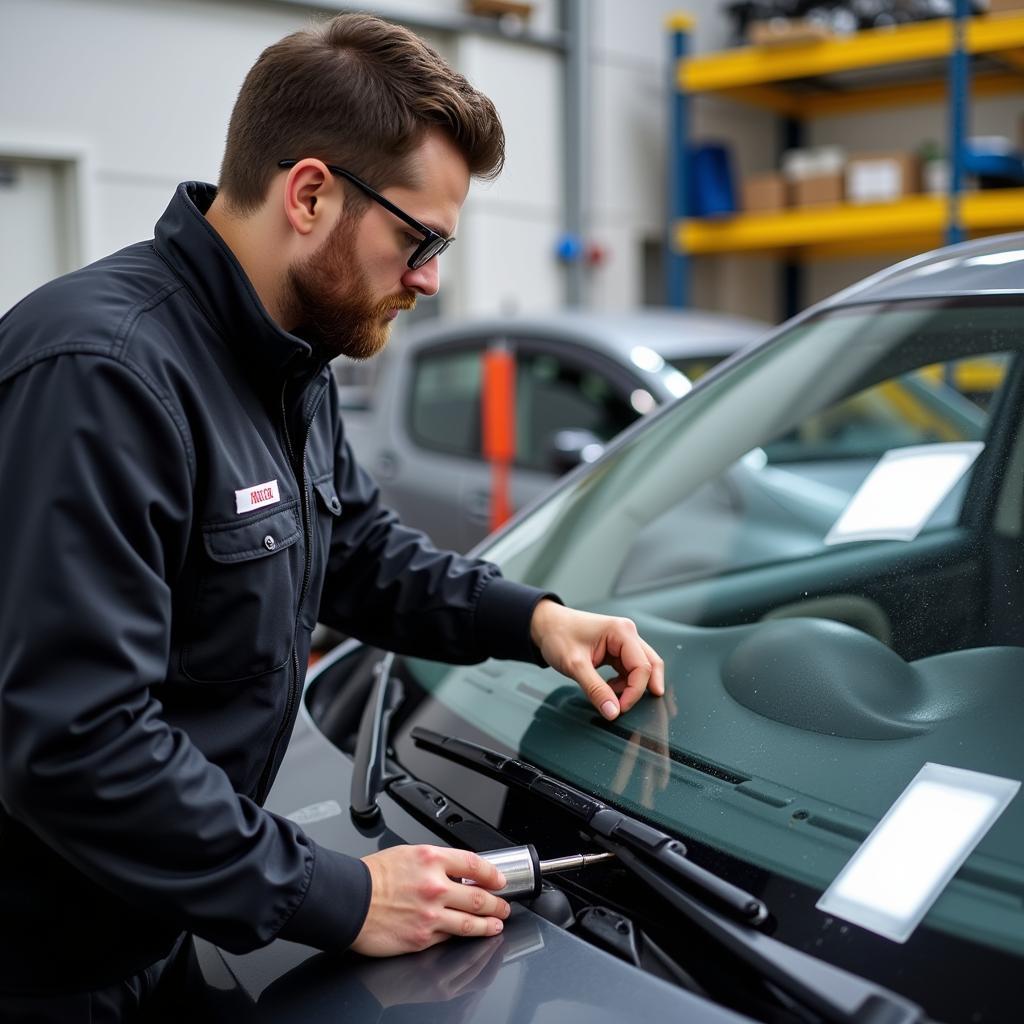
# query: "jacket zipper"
307,533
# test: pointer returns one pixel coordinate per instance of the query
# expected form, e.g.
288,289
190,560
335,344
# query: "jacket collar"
187,241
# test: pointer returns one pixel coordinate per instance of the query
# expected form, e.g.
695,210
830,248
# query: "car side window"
554,394
445,404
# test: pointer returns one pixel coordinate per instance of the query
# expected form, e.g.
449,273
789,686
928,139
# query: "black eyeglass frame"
432,245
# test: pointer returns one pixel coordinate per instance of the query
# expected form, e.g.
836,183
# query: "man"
180,507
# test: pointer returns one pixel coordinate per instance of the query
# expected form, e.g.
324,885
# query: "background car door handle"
386,465
478,506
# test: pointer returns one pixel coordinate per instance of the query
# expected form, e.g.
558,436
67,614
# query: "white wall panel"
636,30
617,282
628,145
127,209
147,87
508,264
509,227
525,85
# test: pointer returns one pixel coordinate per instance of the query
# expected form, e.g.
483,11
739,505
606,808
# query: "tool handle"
521,867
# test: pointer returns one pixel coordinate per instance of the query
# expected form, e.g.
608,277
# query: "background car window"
553,395
445,412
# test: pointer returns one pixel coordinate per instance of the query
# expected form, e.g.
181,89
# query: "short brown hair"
356,91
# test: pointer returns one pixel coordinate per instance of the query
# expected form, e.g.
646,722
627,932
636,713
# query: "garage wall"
146,89
510,225
143,91
135,96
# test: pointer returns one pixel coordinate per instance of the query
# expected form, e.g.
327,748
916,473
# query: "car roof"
672,333
986,266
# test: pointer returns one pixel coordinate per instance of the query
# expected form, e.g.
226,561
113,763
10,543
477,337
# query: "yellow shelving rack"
782,79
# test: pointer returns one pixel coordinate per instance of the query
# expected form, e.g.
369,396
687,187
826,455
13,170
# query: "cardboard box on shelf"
498,8
764,193
882,177
817,190
997,6
813,162
787,32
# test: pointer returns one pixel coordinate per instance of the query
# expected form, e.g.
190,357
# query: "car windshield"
825,542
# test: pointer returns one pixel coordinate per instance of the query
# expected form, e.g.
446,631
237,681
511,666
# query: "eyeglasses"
432,245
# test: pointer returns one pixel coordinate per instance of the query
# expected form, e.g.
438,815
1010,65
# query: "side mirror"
568,448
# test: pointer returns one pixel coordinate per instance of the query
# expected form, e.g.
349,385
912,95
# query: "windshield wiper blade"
831,992
371,744
667,851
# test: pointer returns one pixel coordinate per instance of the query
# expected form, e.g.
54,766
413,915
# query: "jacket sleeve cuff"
503,614
334,908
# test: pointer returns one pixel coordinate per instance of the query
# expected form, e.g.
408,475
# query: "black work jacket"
180,506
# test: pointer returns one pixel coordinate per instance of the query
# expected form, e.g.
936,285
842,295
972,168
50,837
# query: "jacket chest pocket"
244,612
327,510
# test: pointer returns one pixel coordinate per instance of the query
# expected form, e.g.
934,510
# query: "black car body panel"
532,969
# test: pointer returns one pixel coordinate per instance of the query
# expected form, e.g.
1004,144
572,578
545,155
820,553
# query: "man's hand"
415,903
578,643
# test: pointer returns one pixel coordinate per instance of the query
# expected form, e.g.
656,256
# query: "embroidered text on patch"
250,498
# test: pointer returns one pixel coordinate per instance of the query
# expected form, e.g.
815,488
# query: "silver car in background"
580,379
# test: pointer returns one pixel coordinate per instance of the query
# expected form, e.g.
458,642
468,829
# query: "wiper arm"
659,860
372,744
830,992
619,828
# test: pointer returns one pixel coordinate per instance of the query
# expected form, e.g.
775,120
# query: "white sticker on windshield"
901,869
903,490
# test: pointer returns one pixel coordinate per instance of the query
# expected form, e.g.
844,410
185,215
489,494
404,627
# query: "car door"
446,486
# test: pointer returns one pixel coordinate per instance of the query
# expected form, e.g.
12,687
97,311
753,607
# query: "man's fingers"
657,681
598,692
473,899
464,864
608,641
455,922
643,669
414,902
637,669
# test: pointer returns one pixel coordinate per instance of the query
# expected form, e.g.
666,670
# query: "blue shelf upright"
677,262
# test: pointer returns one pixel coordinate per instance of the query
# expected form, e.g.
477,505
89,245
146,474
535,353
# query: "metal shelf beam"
872,48
917,217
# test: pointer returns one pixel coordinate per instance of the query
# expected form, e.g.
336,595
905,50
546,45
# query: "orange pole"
498,414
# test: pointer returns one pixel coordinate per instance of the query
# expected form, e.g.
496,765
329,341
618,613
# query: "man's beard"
332,304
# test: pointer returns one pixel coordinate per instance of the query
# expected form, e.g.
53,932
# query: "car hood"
534,971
